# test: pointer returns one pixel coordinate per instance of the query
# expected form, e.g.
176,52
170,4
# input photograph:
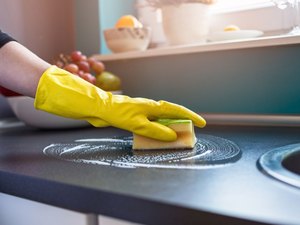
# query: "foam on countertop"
209,151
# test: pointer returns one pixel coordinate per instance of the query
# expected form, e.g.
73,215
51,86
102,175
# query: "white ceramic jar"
186,23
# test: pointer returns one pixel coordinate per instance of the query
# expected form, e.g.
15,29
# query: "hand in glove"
64,94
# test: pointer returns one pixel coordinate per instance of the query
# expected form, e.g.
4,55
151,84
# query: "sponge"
186,138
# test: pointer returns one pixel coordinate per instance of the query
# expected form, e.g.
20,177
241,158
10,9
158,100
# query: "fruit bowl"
127,39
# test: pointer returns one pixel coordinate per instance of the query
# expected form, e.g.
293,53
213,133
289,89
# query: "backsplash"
261,80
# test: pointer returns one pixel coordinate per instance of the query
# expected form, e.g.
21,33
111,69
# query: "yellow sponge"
186,138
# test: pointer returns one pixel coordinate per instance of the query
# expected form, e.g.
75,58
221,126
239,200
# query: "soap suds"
101,140
209,152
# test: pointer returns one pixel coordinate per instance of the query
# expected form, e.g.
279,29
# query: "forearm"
20,69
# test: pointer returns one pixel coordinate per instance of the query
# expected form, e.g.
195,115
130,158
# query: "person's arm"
20,69
59,92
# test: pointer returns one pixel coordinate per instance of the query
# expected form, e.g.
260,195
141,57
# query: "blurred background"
256,80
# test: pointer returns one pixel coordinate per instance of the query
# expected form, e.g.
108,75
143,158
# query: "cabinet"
19,211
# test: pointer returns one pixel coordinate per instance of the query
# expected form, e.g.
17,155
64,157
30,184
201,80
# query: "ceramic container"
127,39
186,23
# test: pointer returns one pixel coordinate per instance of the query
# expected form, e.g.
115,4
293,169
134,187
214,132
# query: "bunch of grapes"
80,65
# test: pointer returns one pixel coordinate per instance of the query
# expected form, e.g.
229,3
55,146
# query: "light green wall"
256,80
92,17
87,26
110,12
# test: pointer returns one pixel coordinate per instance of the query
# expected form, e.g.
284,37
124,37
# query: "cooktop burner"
209,151
282,164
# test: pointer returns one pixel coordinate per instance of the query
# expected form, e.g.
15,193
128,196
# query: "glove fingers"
174,111
157,131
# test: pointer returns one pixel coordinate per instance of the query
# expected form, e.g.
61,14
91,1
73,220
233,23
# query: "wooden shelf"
207,47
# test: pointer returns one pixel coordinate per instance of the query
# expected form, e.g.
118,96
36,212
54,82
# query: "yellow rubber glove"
64,94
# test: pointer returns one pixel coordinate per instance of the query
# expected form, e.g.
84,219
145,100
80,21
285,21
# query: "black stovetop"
234,193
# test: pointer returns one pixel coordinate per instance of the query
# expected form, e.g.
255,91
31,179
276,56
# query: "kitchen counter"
235,193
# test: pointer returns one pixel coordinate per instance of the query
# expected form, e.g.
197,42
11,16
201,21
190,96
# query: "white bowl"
127,39
23,107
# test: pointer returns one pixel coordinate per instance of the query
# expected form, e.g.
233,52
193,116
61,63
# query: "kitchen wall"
50,27
255,80
46,27
87,26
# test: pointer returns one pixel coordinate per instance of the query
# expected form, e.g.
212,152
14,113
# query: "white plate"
234,35
23,107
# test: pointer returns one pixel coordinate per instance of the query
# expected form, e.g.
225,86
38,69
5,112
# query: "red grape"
84,65
59,64
86,76
72,68
98,67
83,58
76,56
80,73
92,79
91,61
80,65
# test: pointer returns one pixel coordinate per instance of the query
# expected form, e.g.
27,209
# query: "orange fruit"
231,28
128,21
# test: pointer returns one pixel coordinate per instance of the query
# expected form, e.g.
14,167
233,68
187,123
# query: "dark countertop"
236,193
